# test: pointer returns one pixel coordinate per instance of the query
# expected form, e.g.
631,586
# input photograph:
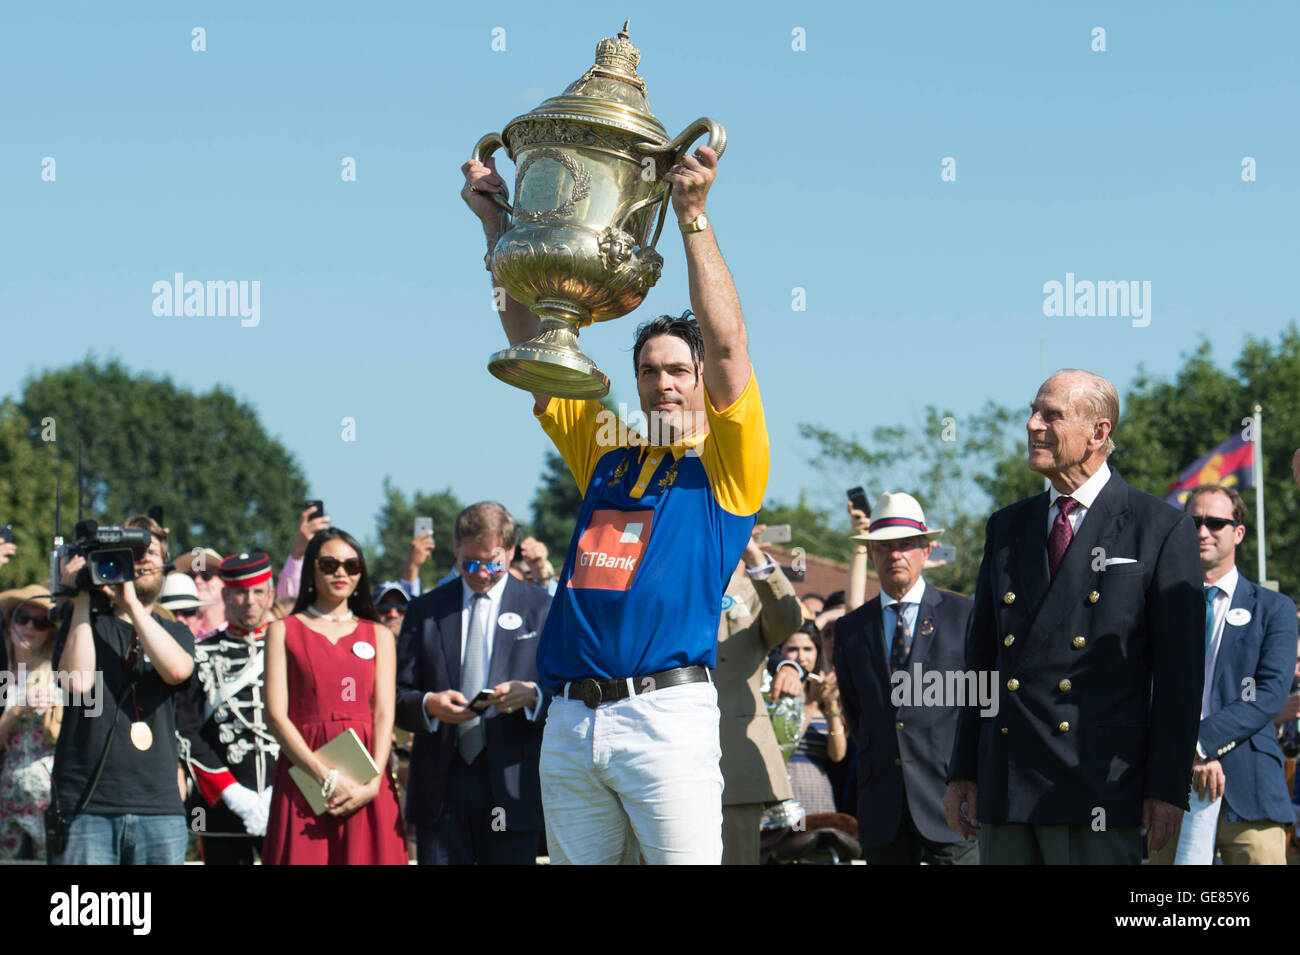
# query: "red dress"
329,691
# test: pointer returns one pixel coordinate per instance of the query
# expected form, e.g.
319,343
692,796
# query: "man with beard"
221,718
125,663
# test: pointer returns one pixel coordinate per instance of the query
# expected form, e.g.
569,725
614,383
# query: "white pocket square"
1120,560
527,636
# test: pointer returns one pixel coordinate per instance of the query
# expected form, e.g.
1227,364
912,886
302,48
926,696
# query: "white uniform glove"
248,806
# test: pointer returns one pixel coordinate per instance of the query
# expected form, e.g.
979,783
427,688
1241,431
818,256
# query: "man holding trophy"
630,754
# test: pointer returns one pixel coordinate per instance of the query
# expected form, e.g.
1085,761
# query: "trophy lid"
609,94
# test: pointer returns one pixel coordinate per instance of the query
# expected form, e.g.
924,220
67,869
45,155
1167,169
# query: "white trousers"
638,775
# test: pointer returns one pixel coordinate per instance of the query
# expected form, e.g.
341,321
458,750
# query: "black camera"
110,552
1291,730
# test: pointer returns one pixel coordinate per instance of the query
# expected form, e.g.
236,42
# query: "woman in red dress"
331,667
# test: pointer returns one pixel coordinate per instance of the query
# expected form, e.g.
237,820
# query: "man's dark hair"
1238,505
684,327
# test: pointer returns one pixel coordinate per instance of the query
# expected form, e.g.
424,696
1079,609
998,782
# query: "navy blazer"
1252,677
920,736
1100,668
428,660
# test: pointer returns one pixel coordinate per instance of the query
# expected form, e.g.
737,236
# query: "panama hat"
179,592
897,515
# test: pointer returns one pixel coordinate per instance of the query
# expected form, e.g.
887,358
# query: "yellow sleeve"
736,454
572,427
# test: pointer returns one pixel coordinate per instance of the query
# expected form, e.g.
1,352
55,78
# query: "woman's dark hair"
684,327
810,628
359,603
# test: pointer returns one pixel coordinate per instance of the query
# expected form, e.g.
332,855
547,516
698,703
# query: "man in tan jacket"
759,611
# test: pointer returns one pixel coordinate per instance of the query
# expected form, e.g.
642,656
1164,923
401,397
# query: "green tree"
556,505
812,529
1165,425
395,524
28,479
221,480
958,470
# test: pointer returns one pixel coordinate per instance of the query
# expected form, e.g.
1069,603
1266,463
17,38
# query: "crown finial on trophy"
617,54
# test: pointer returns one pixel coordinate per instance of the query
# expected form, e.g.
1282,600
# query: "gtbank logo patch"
610,549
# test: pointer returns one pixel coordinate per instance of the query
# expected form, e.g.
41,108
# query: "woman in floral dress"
29,726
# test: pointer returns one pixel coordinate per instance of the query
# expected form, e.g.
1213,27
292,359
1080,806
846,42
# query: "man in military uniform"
1088,606
221,719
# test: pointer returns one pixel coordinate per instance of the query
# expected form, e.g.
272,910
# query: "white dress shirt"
493,595
1227,585
1086,494
889,613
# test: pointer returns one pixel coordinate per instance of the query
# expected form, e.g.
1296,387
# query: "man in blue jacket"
1088,606
1250,656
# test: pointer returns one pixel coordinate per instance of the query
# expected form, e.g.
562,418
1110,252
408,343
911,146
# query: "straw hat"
9,599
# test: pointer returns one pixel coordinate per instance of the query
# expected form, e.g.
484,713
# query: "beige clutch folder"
344,753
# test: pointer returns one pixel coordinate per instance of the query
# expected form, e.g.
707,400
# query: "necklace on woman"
341,618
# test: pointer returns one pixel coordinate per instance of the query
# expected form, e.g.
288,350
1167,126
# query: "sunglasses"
22,618
205,574
491,566
186,614
391,610
1215,524
351,566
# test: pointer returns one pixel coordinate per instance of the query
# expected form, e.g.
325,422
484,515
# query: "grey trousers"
740,833
1023,844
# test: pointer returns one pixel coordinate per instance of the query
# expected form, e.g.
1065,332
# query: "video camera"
110,552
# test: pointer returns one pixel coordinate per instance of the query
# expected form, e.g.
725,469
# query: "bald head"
1074,414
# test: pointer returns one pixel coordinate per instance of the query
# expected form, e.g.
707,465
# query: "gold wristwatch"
698,224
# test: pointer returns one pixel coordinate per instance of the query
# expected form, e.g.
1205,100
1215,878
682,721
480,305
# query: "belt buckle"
590,693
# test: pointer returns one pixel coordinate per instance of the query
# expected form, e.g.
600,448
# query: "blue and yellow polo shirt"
660,532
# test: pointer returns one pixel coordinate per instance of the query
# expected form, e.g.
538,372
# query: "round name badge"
365,651
727,601
510,621
1238,617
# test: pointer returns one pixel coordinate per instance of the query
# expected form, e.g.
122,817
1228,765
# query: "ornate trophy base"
551,364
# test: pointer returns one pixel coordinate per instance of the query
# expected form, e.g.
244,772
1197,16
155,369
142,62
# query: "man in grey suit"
759,611
473,791
1088,606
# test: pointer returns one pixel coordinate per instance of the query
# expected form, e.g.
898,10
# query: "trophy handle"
675,148
482,152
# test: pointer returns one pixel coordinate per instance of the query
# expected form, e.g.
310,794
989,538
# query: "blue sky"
225,165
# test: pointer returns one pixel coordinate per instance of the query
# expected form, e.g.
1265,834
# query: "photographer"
117,751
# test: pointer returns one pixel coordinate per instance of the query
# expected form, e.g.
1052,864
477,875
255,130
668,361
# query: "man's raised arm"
481,181
713,294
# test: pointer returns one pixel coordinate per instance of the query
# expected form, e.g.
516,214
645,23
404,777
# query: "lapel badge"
927,626
1008,598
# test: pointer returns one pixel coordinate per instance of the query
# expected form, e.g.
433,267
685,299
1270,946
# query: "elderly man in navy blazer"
1250,657
473,791
1088,606
904,740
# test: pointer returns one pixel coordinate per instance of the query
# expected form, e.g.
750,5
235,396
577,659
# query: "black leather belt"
595,692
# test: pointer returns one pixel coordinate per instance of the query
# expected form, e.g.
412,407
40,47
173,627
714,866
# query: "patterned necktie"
1062,533
1210,593
470,738
899,648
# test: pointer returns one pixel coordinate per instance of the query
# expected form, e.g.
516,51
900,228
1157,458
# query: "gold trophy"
575,247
